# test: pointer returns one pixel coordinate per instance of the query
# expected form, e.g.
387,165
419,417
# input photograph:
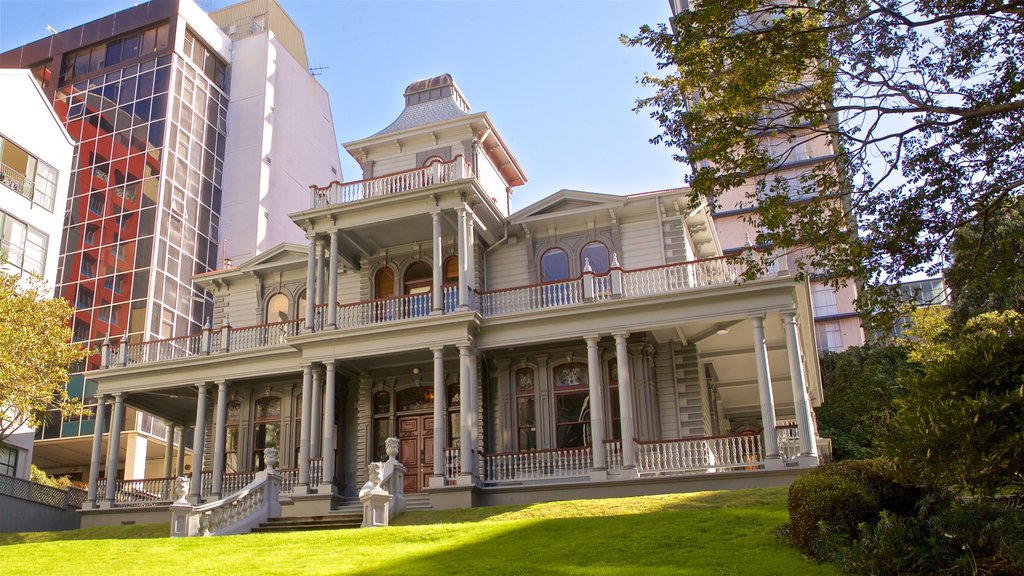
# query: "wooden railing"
588,287
534,297
452,463
789,441
707,454
316,471
553,464
384,310
138,493
613,455
435,173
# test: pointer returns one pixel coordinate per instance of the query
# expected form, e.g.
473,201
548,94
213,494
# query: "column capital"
788,316
437,350
620,336
592,340
329,363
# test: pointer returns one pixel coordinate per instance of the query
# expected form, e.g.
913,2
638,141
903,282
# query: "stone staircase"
347,514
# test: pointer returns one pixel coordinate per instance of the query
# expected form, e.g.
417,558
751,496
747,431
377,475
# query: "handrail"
234,514
383,495
326,187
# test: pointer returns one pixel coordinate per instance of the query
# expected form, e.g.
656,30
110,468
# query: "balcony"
15,180
438,172
585,290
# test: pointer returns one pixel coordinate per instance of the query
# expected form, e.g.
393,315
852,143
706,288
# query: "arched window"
266,428
572,405
526,410
418,279
596,254
450,271
554,265
278,308
384,283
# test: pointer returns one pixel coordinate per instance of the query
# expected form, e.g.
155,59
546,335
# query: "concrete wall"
26,516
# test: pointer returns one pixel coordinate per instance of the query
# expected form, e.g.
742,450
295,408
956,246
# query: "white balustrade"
789,442
613,455
710,454
316,471
142,493
537,465
452,463
384,310
434,173
263,335
532,297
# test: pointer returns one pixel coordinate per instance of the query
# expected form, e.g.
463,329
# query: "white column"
463,260
310,282
596,402
179,463
316,413
625,402
801,401
307,393
440,419
764,390
321,272
168,448
330,400
437,300
332,300
97,449
114,446
465,413
474,395
199,445
219,433
470,261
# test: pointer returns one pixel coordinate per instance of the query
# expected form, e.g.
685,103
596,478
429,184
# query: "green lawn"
703,533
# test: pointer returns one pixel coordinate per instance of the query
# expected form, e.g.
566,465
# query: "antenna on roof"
51,29
315,71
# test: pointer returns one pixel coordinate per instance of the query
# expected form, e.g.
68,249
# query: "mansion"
587,345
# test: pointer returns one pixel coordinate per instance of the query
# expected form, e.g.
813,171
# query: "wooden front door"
416,450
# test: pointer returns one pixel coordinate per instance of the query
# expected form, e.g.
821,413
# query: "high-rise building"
186,139
35,166
837,323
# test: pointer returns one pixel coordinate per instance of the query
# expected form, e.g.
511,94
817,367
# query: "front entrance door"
416,450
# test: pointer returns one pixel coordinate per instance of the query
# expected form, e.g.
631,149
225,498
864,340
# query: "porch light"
722,331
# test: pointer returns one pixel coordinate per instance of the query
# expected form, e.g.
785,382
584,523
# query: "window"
829,336
266,428
277,308
596,254
22,245
824,299
45,186
384,283
418,278
613,395
96,202
8,461
572,405
88,266
554,265
381,423
85,298
526,410
231,462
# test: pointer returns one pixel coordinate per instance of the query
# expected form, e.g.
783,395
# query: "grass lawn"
703,533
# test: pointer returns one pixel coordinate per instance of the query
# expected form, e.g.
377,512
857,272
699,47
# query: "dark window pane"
113,53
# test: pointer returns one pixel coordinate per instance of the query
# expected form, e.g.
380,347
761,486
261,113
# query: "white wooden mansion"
586,345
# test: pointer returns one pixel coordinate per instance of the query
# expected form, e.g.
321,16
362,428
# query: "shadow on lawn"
733,540
98,533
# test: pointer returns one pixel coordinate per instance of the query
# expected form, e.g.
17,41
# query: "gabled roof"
281,256
566,201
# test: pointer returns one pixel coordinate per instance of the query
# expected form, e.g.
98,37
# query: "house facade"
587,344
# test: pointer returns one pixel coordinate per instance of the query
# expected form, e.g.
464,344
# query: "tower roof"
428,101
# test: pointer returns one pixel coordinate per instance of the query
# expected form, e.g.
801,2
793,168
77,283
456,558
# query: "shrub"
945,537
838,497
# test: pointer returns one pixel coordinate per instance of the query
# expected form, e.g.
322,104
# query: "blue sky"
552,75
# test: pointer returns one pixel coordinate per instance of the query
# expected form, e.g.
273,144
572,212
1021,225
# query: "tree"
921,101
987,272
960,421
861,387
35,354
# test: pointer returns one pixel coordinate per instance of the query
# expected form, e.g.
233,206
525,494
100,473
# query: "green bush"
947,536
838,497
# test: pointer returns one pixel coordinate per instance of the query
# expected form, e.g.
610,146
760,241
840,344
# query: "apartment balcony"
586,290
438,172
